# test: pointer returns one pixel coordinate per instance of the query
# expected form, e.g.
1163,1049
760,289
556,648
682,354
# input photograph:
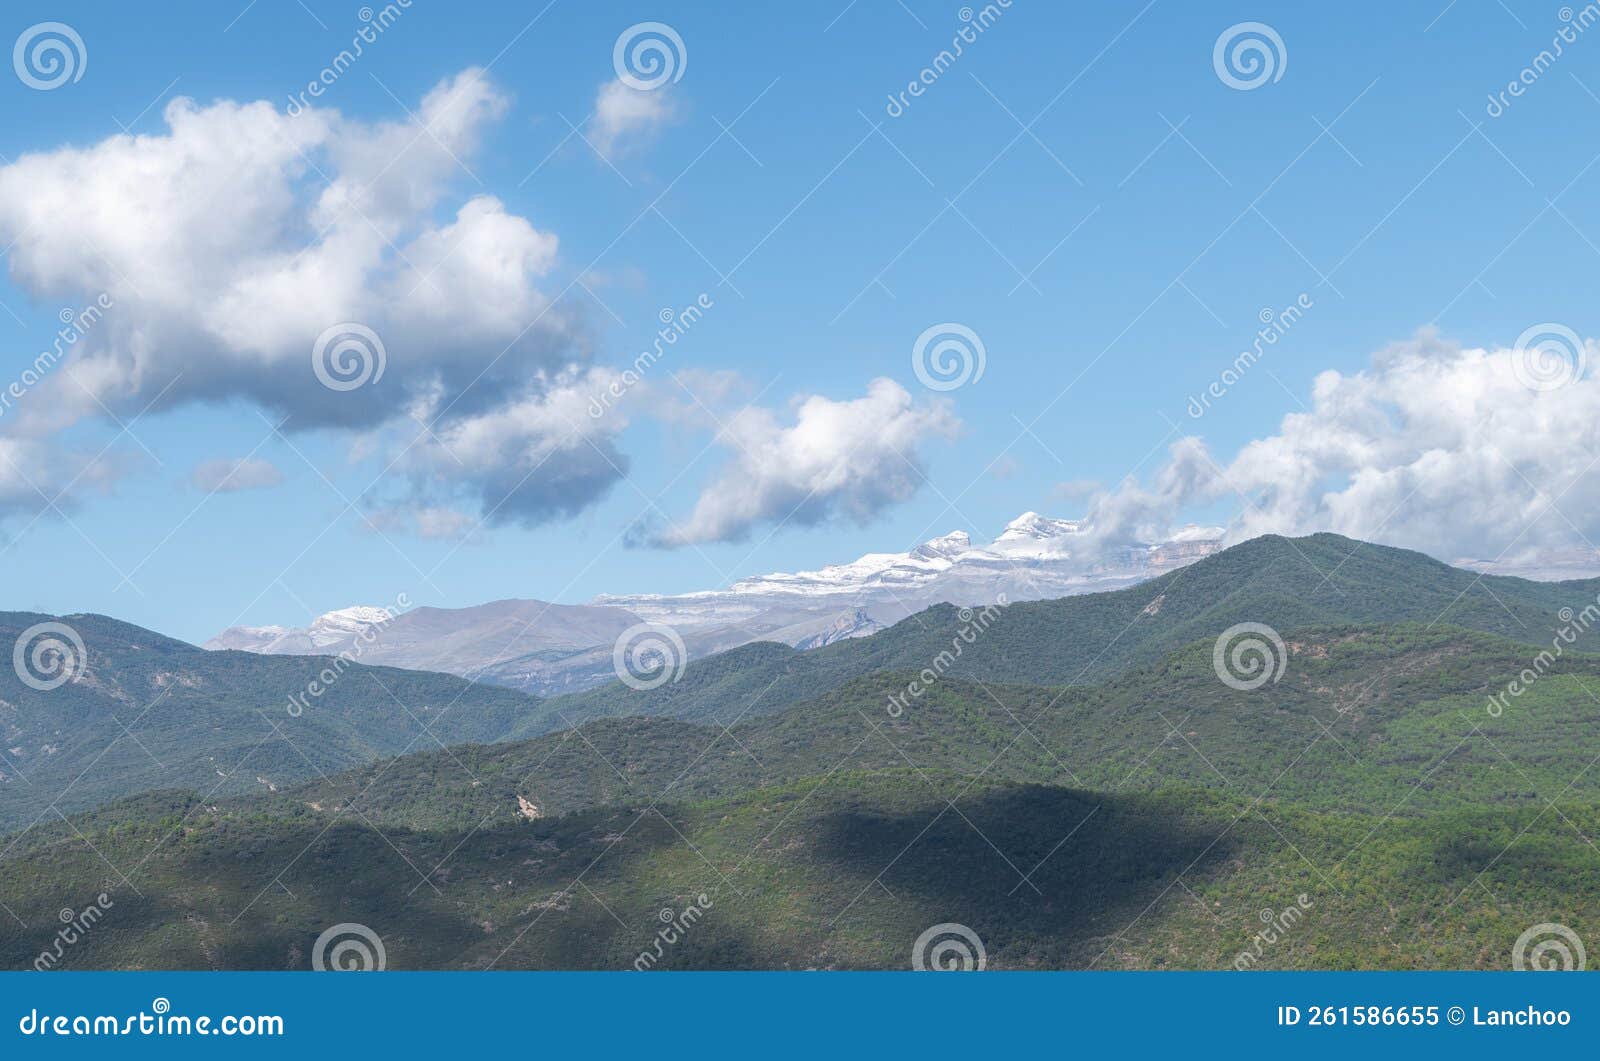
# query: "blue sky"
1081,189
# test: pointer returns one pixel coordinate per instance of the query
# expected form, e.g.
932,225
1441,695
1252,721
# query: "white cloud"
226,476
231,240
526,461
1434,447
623,114
839,459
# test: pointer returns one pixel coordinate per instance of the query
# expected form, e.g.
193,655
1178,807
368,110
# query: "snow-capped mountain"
327,630
1034,558
551,648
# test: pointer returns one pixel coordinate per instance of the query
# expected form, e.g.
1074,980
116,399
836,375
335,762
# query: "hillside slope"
845,874
1356,714
152,712
1285,583
1146,823
146,712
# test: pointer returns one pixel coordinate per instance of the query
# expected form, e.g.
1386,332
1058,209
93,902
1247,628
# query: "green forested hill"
1145,823
845,874
1357,711
150,712
1286,583
153,712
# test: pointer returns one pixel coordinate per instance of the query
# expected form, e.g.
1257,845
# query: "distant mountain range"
1078,784
549,649
148,711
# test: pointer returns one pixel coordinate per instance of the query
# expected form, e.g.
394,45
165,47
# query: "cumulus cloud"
225,476
838,459
1434,446
234,239
624,115
538,458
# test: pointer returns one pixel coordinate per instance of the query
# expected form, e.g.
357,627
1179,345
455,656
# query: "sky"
404,335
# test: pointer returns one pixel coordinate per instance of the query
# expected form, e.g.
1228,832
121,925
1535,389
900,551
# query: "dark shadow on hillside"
1097,862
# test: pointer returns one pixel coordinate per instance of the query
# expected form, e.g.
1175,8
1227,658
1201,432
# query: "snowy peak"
341,625
1030,526
946,547
549,649
326,630
1034,557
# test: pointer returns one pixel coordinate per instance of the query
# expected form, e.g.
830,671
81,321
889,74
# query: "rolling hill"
145,711
1367,804
152,712
1357,712
1285,583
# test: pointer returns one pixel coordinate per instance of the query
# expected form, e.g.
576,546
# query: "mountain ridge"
211,711
1282,582
531,645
